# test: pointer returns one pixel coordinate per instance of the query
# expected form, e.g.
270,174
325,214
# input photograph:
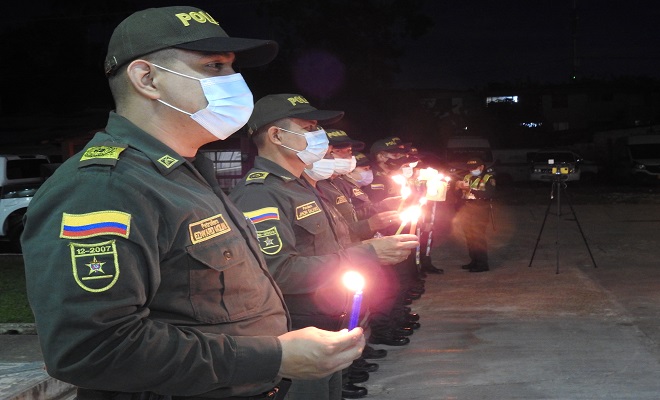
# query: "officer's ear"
141,75
273,135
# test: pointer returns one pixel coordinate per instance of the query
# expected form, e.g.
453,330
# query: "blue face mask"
230,103
475,172
317,145
366,177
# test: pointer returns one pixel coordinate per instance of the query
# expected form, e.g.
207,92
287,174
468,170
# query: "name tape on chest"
307,209
208,228
357,192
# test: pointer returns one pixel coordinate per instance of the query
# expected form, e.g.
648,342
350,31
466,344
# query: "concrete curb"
30,381
18,329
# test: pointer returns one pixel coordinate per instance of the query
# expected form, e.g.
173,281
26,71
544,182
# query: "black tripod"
559,185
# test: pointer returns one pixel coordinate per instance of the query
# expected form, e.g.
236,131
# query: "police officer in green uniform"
297,233
365,221
322,175
477,189
343,190
388,156
146,282
383,154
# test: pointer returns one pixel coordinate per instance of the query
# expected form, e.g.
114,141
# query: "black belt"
276,393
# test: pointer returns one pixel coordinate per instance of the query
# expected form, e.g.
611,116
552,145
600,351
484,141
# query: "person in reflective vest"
477,189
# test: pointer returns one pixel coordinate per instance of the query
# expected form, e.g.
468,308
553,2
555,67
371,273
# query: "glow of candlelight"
415,213
411,213
354,282
399,179
427,174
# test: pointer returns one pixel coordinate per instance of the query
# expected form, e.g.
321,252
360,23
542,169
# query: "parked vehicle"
20,177
638,158
549,164
512,165
461,148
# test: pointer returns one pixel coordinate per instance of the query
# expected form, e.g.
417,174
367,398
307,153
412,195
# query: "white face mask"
230,104
317,145
345,165
475,172
366,177
407,171
322,169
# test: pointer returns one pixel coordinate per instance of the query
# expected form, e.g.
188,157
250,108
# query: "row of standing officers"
148,282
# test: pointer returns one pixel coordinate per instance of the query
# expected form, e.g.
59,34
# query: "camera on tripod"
560,171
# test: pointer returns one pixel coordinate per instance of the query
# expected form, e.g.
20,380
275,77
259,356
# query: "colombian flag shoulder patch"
263,214
108,222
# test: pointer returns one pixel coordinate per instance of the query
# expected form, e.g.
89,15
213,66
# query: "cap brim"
355,144
321,116
396,150
249,52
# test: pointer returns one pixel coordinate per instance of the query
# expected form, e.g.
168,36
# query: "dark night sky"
476,42
472,43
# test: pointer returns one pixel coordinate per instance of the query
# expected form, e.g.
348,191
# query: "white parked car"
20,177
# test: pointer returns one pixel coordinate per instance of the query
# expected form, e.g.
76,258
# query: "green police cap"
286,105
181,27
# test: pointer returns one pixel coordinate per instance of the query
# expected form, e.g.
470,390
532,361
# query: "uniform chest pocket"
224,278
313,235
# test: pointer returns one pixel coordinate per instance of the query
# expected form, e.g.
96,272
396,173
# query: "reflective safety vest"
479,183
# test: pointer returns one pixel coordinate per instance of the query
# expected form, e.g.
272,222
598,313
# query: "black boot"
351,391
428,267
371,353
361,364
387,337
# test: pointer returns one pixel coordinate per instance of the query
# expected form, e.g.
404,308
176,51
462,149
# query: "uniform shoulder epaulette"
102,154
256,177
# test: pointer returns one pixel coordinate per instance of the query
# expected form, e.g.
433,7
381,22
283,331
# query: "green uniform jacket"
143,277
332,188
300,245
364,208
382,186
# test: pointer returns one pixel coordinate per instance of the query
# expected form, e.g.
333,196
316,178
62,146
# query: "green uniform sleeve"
91,295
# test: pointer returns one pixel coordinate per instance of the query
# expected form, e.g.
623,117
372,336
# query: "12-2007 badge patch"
95,265
269,241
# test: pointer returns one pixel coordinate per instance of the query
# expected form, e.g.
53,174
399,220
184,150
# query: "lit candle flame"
399,179
410,214
416,212
353,281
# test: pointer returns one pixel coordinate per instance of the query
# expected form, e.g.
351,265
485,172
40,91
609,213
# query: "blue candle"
355,311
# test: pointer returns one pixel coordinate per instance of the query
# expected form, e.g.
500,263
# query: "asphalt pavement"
557,326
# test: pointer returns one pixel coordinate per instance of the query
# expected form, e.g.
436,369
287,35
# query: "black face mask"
398,162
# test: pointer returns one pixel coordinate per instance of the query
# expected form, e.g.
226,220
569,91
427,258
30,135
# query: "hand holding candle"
354,282
410,214
405,190
416,214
